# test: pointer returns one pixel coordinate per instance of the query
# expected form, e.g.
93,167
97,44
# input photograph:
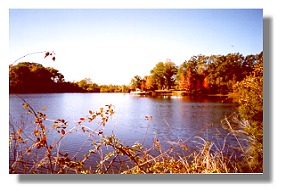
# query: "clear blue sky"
110,46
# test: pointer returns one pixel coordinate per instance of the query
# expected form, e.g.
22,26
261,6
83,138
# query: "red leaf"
47,54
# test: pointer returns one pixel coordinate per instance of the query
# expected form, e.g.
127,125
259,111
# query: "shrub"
249,94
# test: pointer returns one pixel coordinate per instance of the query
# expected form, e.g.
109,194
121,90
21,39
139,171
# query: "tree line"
214,74
29,77
200,74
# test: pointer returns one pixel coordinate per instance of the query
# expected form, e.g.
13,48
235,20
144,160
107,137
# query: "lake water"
173,118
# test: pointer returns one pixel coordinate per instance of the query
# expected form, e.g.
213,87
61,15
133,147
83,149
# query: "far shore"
150,93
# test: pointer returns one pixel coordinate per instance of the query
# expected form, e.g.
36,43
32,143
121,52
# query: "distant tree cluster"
200,74
114,88
87,85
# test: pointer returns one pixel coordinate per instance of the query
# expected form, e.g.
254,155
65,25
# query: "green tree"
88,85
56,76
124,88
164,74
27,77
20,78
170,71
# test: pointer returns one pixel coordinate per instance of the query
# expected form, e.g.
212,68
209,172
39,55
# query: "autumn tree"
136,82
150,83
249,94
188,76
206,84
182,81
215,73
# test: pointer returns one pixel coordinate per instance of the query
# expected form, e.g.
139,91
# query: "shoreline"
149,93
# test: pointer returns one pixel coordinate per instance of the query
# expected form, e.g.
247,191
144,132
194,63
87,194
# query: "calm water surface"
173,118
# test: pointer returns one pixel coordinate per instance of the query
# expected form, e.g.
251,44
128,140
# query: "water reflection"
173,118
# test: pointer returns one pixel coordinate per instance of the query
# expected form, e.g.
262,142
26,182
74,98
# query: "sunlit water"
173,118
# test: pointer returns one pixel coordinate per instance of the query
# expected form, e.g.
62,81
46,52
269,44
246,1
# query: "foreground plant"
249,94
34,152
